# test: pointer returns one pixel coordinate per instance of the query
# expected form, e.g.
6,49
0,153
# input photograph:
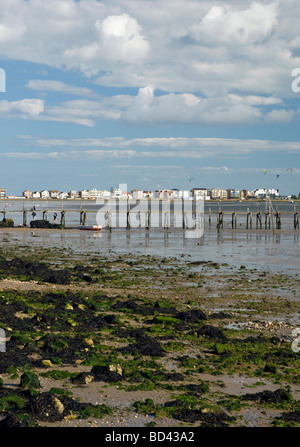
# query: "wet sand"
241,301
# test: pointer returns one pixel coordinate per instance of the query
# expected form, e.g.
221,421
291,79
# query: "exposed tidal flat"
135,329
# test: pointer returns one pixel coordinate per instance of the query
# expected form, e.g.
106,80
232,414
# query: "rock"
89,341
191,316
212,332
47,362
46,407
83,378
29,380
12,421
107,373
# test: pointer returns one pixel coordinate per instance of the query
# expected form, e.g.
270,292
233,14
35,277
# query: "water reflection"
249,248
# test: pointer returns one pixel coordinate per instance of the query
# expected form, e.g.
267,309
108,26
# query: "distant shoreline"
2,199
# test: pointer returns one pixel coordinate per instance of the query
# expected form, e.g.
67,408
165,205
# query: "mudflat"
132,340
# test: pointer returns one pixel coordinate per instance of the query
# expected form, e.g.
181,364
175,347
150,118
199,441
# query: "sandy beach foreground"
133,340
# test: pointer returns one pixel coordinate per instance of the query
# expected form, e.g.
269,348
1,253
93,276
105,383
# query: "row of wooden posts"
269,223
266,220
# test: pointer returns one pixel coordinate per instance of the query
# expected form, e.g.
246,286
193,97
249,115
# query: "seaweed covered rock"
11,421
29,380
5,223
277,396
145,345
46,407
191,316
209,418
34,270
107,373
212,332
83,378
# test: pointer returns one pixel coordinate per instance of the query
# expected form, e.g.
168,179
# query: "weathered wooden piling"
258,220
249,220
63,218
296,220
220,219
233,220
278,220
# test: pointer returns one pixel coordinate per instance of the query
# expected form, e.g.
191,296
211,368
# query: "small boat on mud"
90,227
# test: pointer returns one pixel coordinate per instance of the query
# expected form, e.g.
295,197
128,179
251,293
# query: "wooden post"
166,221
149,214
233,220
296,220
266,220
63,219
45,215
24,218
220,220
278,220
128,215
209,216
258,220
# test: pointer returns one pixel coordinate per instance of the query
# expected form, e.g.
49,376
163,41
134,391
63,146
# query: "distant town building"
137,194
198,193
36,195
74,194
126,195
63,195
184,194
217,193
115,193
148,194
27,194
2,193
262,192
233,194
45,194
94,194
54,193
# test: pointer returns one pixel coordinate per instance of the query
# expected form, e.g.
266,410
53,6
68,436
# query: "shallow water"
257,249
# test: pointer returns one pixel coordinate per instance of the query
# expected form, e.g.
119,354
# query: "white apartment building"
217,193
262,192
200,193
137,194
115,193
94,194
45,194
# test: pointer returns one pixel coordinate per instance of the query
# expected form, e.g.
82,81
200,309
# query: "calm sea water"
257,248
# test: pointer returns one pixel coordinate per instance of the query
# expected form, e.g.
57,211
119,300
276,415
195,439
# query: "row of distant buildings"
197,193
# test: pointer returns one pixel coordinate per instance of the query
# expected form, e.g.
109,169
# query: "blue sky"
150,93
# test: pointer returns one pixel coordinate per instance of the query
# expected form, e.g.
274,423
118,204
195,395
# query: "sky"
149,93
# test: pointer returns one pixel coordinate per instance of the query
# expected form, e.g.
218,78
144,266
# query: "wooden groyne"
125,216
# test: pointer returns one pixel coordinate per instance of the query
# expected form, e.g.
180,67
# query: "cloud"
122,39
57,86
280,116
188,108
118,39
235,26
171,147
25,108
215,63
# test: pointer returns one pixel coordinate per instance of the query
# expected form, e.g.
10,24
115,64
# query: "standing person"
33,215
